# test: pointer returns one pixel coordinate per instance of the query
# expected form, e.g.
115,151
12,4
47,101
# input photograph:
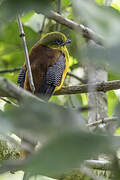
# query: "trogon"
49,60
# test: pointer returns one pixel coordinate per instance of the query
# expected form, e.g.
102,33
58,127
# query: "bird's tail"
46,91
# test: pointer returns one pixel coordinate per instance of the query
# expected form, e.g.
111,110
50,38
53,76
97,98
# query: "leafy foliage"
9,9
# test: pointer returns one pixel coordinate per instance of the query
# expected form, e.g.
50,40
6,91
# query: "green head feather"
50,39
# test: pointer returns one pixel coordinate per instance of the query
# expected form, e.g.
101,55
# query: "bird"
49,60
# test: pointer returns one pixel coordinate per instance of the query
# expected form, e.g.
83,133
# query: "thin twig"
22,35
76,77
92,87
9,102
10,70
102,121
42,27
59,6
85,108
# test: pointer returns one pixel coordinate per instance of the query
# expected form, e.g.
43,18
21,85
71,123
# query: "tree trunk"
98,100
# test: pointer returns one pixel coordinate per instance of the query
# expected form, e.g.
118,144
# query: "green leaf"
66,3
12,30
27,16
112,102
35,22
113,75
100,2
11,49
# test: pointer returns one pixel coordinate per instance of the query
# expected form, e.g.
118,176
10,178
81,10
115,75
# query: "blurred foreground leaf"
103,20
67,144
108,57
10,8
62,153
67,151
5,126
44,119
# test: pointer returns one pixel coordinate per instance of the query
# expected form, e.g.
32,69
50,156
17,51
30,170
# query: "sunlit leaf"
117,132
100,2
112,102
116,4
27,16
65,3
35,22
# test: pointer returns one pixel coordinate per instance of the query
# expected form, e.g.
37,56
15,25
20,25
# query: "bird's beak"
66,42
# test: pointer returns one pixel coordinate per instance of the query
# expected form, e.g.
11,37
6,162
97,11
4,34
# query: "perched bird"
49,60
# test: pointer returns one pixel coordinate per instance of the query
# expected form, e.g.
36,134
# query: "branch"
93,87
76,77
102,121
97,164
9,89
10,70
85,108
22,35
9,102
42,27
86,32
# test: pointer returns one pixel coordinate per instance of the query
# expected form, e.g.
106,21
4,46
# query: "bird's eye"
59,42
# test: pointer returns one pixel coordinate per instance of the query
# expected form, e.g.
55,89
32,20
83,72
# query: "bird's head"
54,39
